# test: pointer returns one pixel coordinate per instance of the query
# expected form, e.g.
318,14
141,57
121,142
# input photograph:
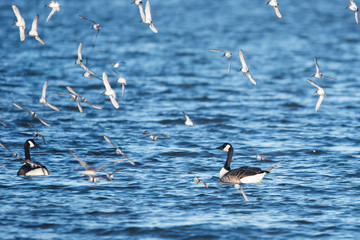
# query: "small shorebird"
188,121
32,114
122,81
36,134
89,171
109,176
55,7
43,98
321,93
318,74
154,137
353,7
82,98
227,54
109,91
148,19
79,60
20,22
261,157
244,68
198,180
33,32
14,153
118,150
96,26
73,97
4,124
141,9
275,5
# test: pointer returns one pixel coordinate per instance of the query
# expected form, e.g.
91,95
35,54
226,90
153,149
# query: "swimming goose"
31,168
243,174
20,22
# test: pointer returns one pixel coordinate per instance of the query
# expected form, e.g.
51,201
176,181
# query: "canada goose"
243,174
30,168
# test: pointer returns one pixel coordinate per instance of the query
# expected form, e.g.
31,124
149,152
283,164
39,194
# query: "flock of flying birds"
237,176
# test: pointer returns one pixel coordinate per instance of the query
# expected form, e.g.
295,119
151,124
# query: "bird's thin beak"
219,147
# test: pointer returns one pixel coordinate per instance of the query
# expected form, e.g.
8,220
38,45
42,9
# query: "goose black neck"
229,158
27,150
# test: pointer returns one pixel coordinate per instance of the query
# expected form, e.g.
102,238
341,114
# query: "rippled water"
313,193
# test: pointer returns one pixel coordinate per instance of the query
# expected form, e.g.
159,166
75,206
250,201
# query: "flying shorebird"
36,134
73,97
353,7
20,22
198,180
115,64
318,74
118,150
43,98
109,176
82,98
55,7
32,114
321,93
227,54
261,157
109,91
79,60
148,19
188,121
154,137
122,81
275,5
141,9
33,32
89,171
96,26
14,153
244,68
4,124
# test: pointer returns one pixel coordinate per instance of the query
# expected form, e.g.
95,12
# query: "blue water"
314,193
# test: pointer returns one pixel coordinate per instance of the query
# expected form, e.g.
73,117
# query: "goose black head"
225,147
